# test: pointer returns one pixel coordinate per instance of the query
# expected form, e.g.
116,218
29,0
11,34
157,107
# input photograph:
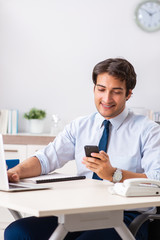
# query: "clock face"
148,15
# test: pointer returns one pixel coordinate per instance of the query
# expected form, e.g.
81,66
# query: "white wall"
48,49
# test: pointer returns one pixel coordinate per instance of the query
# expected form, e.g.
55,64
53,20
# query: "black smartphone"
91,149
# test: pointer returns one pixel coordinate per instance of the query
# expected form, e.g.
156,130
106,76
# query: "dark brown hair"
118,68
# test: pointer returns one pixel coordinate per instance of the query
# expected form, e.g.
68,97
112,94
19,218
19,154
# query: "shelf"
26,139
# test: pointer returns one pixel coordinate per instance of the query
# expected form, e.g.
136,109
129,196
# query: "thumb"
14,177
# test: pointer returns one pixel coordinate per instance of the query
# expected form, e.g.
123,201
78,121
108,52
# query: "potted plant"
35,117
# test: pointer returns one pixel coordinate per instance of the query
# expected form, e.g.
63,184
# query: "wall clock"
148,15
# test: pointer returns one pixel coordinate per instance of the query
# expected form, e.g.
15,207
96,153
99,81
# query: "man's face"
110,95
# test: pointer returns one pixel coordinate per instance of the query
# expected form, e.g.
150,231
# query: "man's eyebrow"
99,85
115,88
118,88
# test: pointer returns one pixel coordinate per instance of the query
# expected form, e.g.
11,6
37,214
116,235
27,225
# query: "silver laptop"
4,183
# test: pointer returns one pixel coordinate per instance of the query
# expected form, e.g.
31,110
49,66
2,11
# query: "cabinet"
13,151
21,152
23,146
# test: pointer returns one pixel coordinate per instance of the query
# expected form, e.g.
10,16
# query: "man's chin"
107,115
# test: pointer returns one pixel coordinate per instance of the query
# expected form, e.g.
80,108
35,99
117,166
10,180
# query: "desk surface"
80,196
80,205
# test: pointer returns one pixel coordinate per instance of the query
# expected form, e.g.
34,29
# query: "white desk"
79,205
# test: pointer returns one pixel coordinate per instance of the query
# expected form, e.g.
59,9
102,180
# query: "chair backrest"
154,226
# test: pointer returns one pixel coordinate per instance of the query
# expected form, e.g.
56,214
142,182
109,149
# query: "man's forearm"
127,174
28,168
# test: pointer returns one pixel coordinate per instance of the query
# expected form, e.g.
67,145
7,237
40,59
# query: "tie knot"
106,123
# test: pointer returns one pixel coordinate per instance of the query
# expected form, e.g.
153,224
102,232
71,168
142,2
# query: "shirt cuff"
44,163
153,175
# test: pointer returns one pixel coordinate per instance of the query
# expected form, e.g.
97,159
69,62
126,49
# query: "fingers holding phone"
89,149
93,152
92,159
98,162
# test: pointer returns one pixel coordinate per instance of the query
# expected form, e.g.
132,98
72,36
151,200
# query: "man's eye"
101,89
117,92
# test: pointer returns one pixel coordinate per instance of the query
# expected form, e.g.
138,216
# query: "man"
132,150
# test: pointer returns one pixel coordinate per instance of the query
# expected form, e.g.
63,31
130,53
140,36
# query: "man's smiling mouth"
106,106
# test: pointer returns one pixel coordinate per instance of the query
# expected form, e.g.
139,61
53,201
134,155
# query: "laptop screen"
3,168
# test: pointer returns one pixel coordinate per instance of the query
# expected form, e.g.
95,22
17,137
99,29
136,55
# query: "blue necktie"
103,142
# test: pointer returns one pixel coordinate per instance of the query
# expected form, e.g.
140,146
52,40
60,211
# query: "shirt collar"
116,121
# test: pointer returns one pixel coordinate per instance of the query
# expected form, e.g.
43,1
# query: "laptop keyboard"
16,186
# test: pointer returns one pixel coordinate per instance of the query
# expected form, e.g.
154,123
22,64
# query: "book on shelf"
14,121
3,121
9,130
52,177
8,121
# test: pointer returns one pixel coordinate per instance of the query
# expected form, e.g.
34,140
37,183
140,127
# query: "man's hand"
30,167
13,176
100,164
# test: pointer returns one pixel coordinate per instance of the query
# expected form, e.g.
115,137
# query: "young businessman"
132,150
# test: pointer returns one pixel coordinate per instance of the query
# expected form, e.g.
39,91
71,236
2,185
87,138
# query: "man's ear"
129,94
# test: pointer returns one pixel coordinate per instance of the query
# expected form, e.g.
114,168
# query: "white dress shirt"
134,144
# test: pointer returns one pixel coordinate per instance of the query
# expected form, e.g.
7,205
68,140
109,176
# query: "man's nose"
107,97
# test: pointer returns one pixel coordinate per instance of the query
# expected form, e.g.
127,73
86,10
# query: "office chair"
153,215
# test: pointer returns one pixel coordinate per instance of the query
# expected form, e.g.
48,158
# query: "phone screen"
91,149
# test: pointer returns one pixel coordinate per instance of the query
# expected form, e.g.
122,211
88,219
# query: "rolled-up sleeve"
58,152
151,152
